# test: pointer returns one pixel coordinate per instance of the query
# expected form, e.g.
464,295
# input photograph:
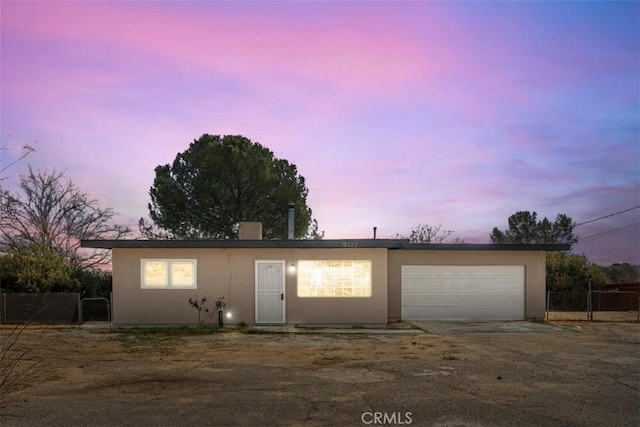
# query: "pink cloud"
356,51
251,45
397,114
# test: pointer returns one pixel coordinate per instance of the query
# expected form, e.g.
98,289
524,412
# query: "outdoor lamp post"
220,308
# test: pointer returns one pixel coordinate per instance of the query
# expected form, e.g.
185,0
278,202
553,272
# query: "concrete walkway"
448,328
294,330
429,326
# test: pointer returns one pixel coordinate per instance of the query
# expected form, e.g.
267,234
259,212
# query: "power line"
606,232
607,216
28,150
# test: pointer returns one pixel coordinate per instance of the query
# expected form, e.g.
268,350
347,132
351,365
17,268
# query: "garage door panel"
513,312
470,300
410,284
458,286
514,300
462,292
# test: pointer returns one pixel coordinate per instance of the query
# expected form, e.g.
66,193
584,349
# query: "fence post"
110,309
79,311
546,313
4,307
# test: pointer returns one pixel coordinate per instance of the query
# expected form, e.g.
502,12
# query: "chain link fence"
606,306
55,308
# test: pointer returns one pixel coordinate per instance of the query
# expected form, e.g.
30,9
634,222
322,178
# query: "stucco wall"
231,273
533,261
353,310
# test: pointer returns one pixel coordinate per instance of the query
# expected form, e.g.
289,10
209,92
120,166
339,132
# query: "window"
168,273
334,278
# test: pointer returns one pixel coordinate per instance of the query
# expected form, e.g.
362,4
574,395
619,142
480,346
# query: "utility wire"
606,216
607,232
28,150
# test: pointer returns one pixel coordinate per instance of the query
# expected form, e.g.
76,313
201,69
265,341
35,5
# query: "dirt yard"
575,373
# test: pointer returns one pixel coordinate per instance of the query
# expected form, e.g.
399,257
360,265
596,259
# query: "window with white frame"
168,274
335,278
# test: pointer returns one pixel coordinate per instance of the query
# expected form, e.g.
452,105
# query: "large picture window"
339,278
168,273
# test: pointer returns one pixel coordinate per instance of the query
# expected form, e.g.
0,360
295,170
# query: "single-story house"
364,282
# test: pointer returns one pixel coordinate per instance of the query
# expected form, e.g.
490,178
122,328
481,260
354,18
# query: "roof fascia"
397,244
329,244
489,246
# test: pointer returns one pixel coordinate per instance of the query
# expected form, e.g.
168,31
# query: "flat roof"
403,244
489,246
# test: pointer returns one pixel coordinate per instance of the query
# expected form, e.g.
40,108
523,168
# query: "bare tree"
52,212
26,150
424,233
458,241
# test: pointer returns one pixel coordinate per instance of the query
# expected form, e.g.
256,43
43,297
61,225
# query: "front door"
270,292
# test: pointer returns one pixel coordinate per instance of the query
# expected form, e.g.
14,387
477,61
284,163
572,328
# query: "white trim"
284,289
169,262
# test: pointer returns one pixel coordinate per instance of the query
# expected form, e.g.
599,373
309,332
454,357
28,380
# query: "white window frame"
169,263
332,288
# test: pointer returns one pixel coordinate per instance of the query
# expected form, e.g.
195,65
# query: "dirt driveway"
583,374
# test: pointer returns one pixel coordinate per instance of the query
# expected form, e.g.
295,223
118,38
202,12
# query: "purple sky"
452,113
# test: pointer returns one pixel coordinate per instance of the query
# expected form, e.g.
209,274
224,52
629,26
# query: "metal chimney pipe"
375,229
290,218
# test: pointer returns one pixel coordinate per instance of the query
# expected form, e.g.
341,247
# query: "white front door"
270,292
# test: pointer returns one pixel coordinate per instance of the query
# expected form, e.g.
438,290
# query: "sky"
396,113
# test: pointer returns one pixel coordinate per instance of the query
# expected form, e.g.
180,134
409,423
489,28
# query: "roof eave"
400,244
329,244
547,247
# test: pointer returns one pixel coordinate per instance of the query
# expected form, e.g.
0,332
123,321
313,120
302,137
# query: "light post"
220,308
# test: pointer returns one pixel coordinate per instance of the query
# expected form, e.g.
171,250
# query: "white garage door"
444,292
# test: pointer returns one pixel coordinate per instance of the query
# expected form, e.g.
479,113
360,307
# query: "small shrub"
203,310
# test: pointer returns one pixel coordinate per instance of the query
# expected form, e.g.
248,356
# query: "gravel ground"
574,373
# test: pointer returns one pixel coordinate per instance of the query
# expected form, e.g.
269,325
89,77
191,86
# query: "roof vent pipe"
290,226
375,229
